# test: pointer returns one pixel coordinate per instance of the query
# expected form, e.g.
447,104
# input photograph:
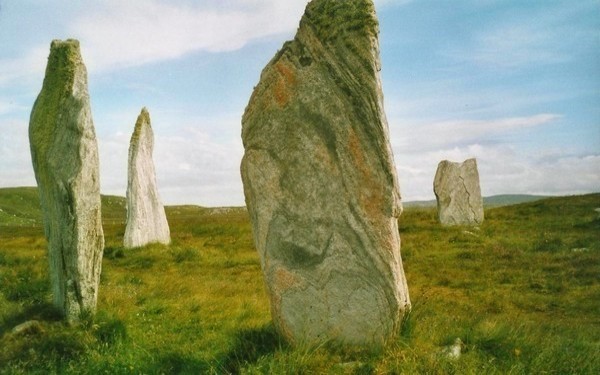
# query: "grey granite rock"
320,182
146,219
65,160
458,194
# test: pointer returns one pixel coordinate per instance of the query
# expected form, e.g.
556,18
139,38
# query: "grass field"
522,292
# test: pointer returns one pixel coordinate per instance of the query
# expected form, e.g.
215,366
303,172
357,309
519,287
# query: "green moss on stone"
63,62
334,18
143,118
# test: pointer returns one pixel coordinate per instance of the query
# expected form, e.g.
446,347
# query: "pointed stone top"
143,120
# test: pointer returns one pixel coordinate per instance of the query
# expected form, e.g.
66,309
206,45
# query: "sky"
513,83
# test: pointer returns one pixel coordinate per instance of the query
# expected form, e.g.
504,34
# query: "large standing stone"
456,187
65,160
320,182
146,219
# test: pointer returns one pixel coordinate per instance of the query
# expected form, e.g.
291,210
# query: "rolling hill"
19,206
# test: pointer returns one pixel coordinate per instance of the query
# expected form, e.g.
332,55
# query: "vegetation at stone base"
522,292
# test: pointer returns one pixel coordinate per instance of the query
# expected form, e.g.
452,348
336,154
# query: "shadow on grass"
39,311
177,363
45,342
249,346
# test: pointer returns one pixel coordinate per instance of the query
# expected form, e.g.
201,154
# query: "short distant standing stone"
65,160
320,182
456,187
146,219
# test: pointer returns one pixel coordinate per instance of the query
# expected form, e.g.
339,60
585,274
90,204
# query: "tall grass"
522,293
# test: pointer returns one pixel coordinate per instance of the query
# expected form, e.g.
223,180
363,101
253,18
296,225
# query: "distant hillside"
492,201
20,206
510,199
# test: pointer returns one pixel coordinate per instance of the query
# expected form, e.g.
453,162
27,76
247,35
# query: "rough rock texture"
146,219
65,159
456,187
320,182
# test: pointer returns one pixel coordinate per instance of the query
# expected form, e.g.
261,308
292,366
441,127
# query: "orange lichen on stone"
371,195
284,279
286,81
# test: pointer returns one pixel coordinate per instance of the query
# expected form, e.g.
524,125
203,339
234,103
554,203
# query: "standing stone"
65,160
146,219
456,188
320,182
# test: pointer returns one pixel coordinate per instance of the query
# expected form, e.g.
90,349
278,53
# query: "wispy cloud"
548,35
131,33
27,67
192,166
445,134
503,169
16,169
517,45
117,34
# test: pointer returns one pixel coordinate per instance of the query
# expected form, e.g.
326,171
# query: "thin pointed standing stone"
458,194
146,219
65,160
320,182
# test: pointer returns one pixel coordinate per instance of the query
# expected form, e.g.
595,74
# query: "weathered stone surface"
65,159
456,188
320,182
146,219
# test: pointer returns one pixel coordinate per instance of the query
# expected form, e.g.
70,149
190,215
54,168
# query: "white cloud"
551,34
16,168
28,67
196,168
135,32
503,169
116,34
192,167
8,105
438,135
517,45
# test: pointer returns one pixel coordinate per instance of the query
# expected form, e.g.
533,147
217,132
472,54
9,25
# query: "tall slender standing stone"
146,219
65,160
458,194
320,182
